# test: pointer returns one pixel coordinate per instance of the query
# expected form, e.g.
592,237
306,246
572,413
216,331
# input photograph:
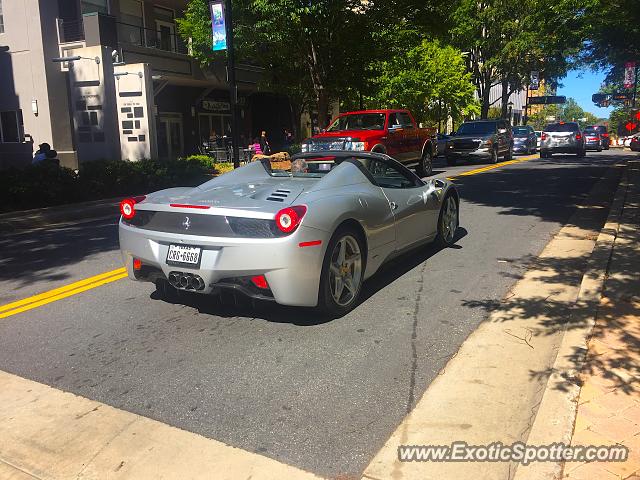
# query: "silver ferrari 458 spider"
305,237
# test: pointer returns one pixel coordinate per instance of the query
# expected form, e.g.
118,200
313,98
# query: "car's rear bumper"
521,147
292,271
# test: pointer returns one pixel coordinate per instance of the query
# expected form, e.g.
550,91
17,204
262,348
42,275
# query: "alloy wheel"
345,270
449,219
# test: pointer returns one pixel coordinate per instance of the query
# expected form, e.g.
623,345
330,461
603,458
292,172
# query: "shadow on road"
232,305
620,366
40,254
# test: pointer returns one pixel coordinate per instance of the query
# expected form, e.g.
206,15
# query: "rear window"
520,131
596,129
562,127
477,128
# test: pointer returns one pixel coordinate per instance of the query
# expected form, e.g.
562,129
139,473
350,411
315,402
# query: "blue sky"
581,84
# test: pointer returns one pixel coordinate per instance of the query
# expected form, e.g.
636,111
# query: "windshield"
562,127
477,128
590,130
520,131
358,121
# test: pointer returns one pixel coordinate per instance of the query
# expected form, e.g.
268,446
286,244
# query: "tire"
336,298
599,149
544,154
425,167
581,153
447,224
451,161
494,156
509,155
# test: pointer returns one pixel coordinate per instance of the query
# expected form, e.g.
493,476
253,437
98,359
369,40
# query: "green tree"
612,32
506,40
428,78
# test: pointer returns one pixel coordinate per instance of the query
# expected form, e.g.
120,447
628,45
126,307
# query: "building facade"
132,62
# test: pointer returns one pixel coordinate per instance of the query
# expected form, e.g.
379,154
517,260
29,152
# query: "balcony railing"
160,39
71,30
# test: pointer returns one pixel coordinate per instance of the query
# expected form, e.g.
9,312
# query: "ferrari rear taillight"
127,206
288,219
544,136
578,136
605,135
260,281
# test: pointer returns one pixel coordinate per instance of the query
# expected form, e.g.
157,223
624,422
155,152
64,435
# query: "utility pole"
233,88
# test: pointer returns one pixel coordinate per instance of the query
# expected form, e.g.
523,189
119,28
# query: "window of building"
131,25
11,126
92,6
1,19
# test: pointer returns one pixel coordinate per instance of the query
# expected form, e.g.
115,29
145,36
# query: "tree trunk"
323,107
505,97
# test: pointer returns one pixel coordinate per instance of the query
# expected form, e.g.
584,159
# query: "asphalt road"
286,383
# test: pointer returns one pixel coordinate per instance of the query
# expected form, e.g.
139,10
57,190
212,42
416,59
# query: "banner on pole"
535,80
629,74
218,27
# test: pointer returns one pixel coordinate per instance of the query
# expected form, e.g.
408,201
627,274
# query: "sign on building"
136,120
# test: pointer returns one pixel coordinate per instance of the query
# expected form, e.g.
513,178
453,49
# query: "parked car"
601,130
562,137
538,138
524,139
592,139
306,237
634,143
481,139
442,143
393,132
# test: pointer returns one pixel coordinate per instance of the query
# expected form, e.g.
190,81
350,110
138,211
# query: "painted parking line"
120,273
63,292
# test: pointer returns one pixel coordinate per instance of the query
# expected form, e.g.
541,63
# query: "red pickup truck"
393,132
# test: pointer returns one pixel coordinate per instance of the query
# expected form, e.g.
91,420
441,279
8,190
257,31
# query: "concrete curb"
41,217
556,415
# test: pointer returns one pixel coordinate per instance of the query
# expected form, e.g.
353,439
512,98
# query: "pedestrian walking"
264,143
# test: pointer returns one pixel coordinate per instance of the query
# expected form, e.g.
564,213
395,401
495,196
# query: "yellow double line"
491,167
62,292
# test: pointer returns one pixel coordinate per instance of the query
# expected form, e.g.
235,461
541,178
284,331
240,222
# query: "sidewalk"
609,403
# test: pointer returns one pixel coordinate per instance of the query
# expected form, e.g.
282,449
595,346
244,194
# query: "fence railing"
161,39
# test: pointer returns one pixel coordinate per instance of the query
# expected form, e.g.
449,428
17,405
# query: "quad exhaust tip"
186,281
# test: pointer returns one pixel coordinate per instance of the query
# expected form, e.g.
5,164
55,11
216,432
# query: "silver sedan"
305,237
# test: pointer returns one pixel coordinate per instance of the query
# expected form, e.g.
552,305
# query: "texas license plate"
183,255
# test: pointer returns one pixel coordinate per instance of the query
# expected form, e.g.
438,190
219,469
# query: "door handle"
393,205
